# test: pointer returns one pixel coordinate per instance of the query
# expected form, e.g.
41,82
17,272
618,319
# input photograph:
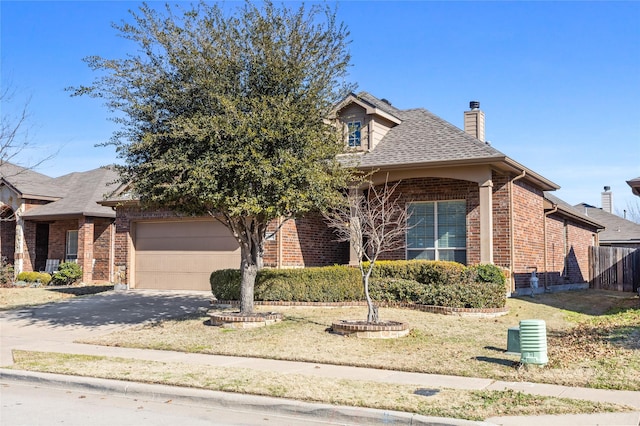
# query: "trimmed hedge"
34,277
325,284
435,283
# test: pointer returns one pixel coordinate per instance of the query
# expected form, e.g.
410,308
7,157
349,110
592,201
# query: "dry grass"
17,297
472,405
593,339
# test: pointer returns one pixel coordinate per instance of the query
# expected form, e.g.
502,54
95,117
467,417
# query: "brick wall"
439,189
58,237
102,249
501,225
306,242
528,231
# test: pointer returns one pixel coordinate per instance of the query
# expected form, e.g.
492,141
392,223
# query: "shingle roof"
575,212
617,229
423,137
75,194
82,191
28,183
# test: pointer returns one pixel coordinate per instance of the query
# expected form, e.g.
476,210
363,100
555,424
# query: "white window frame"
436,249
357,142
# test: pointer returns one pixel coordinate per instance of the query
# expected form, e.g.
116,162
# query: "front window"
72,246
437,231
354,133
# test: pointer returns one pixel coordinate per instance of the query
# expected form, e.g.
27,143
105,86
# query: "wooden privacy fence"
614,268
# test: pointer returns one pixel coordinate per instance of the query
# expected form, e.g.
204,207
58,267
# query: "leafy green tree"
225,114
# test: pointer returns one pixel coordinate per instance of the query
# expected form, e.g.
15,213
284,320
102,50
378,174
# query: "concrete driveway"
59,323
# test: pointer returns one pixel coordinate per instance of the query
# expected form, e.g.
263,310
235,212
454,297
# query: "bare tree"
631,212
373,222
13,136
14,140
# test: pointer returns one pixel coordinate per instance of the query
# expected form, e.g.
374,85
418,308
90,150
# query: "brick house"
470,203
57,218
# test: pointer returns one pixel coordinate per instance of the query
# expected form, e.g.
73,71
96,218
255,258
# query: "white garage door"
182,255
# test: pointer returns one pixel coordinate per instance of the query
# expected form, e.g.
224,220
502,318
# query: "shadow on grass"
589,302
499,361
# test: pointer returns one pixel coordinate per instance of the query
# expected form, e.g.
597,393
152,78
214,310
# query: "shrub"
225,284
395,290
486,273
322,284
441,284
426,282
34,277
6,273
326,284
423,271
67,273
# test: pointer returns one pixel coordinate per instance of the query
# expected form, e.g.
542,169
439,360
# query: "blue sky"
559,82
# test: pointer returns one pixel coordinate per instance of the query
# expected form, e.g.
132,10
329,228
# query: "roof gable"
82,191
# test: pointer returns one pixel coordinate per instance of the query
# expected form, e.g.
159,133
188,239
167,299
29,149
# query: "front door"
42,246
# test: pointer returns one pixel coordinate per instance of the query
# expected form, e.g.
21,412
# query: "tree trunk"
372,314
249,270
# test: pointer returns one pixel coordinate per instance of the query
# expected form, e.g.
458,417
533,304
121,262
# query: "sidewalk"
630,398
54,328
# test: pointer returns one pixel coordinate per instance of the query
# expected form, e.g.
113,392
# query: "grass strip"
461,404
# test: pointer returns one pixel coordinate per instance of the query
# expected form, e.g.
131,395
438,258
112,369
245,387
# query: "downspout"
511,233
546,214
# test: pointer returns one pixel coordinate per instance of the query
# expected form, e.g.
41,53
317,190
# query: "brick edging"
444,310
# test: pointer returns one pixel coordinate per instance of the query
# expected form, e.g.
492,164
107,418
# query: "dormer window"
354,133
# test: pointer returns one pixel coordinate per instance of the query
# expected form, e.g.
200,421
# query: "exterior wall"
439,189
501,221
102,249
528,232
58,237
567,252
306,242
373,129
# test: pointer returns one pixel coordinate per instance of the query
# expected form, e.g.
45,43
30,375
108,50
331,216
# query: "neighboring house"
635,185
57,218
618,232
470,203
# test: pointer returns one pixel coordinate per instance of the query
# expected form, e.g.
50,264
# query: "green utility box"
533,342
513,340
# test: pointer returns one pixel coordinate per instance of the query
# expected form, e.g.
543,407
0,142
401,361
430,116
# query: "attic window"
354,133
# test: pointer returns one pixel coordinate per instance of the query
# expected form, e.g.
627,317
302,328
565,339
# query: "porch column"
85,248
18,255
486,221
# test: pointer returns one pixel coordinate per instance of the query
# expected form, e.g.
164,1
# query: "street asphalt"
54,327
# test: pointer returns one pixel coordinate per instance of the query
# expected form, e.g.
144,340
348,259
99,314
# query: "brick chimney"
607,200
474,121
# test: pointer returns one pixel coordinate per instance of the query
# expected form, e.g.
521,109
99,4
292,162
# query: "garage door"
182,255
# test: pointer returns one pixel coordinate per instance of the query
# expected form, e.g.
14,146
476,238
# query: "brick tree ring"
238,320
365,330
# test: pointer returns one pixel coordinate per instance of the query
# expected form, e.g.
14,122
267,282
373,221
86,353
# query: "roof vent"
386,101
474,105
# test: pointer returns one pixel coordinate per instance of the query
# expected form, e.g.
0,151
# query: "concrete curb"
191,396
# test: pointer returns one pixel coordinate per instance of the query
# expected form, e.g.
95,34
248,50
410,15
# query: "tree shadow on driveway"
113,308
